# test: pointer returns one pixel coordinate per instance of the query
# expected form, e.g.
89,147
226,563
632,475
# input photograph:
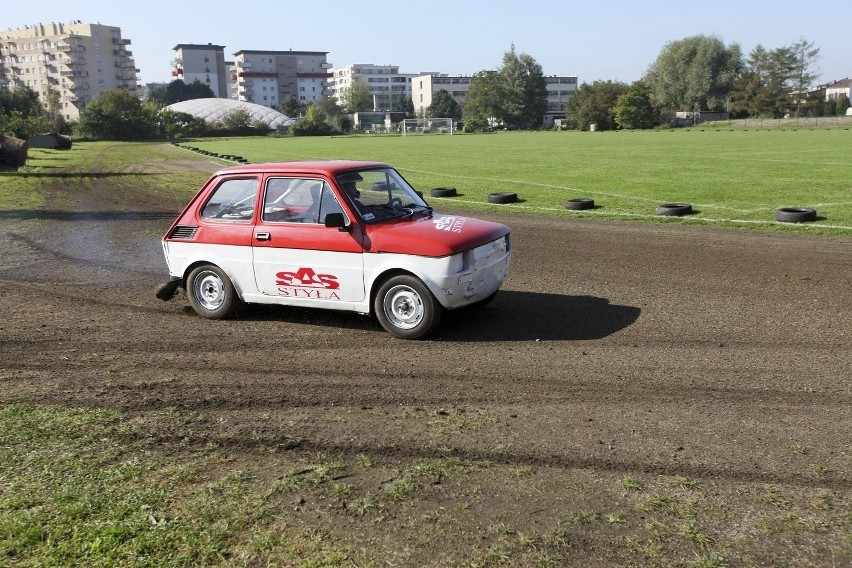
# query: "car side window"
233,200
297,200
328,203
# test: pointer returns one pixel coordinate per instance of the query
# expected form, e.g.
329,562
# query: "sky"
594,40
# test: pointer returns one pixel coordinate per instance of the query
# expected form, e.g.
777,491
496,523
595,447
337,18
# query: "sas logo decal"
306,283
449,223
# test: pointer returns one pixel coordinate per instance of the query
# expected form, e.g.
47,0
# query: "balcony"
70,98
125,41
79,87
326,66
177,72
177,61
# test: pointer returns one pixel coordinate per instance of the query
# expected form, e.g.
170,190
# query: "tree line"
701,73
695,74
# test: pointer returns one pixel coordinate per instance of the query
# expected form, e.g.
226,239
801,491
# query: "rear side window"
298,200
233,200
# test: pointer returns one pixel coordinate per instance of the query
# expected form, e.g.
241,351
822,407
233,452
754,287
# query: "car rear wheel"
211,293
406,308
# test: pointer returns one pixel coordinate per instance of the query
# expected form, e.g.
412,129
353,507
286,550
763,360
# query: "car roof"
318,167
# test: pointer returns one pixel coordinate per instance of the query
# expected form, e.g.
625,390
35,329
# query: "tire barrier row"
783,215
230,157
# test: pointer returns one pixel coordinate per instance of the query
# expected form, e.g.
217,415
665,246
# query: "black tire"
579,204
503,197
444,192
406,308
795,215
211,293
674,209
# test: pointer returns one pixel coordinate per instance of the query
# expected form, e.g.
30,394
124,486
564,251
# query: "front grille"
183,232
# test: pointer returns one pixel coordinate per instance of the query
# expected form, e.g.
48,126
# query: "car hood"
436,236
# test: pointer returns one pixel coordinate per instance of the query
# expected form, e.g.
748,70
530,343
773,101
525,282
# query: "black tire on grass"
444,192
579,204
795,214
502,197
674,209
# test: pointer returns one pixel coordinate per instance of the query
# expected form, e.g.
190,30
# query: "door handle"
263,236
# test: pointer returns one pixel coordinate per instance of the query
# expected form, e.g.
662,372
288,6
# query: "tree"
357,97
291,106
842,105
483,100
633,109
53,110
523,91
773,83
444,106
178,91
594,104
312,124
116,115
329,107
693,74
403,103
803,71
22,99
21,114
173,124
236,119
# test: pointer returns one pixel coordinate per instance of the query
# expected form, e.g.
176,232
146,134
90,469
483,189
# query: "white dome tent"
212,110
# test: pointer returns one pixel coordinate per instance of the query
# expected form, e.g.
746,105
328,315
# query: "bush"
304,127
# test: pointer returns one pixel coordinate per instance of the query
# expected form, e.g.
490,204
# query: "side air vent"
183,232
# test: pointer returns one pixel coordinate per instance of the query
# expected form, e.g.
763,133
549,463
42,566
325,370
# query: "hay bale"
63,142
14,153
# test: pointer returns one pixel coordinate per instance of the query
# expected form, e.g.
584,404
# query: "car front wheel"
211,293
406,308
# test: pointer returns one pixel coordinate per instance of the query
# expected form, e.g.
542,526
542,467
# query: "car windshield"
381,193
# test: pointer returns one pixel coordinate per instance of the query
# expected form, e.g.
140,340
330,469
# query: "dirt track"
619,347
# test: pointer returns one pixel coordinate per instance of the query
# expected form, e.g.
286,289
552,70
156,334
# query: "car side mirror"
336,220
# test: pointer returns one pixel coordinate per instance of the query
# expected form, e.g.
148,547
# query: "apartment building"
559,89
205,63
79,61
386,83
266,77
424,87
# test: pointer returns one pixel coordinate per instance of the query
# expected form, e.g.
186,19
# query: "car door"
295,255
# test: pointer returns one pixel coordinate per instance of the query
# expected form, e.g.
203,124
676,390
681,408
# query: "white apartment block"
205,63
78,60
267,77
386,83
424,87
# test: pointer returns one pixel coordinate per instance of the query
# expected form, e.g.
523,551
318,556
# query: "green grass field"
731,177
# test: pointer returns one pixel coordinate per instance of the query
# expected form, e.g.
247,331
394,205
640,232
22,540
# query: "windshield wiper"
406,211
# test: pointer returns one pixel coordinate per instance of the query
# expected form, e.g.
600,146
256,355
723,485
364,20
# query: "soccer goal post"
427,126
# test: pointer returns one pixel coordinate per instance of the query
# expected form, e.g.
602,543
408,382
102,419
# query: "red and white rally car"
339,235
